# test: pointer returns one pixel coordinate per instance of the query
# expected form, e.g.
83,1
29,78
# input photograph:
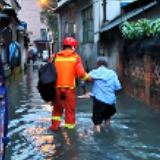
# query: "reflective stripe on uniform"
71,126
57,118
65,87
66,59
85,77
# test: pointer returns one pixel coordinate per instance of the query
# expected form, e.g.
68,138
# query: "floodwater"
134,133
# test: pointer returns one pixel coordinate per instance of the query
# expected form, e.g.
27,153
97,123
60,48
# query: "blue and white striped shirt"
105,83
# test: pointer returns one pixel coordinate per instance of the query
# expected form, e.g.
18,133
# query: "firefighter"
68,65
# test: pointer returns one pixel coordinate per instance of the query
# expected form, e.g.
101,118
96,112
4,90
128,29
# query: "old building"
36,24
83,20
78,19
138,70
12,30
95,25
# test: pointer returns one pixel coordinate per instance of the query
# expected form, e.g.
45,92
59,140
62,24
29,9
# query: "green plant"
156,26
131,30
139,29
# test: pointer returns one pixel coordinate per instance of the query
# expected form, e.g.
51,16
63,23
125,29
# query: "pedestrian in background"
33,53
105,86
39,56
68,65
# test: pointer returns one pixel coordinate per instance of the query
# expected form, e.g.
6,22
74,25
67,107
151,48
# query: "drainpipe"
59,33
104,10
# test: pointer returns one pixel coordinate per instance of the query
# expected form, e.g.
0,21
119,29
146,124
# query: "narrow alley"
133,135
110,43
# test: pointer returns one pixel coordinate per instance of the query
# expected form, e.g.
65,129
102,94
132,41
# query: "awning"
119,20
23,34
20,28
126,2
23,24
61,4
11,12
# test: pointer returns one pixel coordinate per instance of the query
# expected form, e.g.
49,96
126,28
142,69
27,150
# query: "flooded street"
134,133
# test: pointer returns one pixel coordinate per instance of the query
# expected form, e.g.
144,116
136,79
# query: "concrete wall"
55,47
23,55
30,13
111,41
113,9
87,51
113,55
13,26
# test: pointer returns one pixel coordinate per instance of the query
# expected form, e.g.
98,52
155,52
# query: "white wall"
113,55
98,18
113,9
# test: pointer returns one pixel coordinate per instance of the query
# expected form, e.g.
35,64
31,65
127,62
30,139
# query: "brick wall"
30,13
141,78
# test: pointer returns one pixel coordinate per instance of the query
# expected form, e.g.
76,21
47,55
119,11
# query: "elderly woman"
105,84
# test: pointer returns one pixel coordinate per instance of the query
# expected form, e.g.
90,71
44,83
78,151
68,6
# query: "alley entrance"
134,133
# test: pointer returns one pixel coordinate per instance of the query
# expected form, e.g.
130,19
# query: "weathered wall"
111,48
141,79
141,75
13,26
89,51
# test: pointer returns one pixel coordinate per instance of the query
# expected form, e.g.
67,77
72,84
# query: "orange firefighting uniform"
68,65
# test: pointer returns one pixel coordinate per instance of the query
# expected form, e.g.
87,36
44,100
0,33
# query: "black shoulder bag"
47,80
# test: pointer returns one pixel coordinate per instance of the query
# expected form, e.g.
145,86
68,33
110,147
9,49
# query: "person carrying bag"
47,80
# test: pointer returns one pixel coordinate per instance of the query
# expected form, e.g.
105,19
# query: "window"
72,25
72,29
69,24
42,19
66,28
43,33
88,34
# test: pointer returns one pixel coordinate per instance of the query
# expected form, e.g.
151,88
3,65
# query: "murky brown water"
134,133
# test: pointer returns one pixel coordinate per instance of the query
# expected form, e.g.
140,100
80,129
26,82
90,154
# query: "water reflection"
130,136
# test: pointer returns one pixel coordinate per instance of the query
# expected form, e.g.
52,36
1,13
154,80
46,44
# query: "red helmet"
69,41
